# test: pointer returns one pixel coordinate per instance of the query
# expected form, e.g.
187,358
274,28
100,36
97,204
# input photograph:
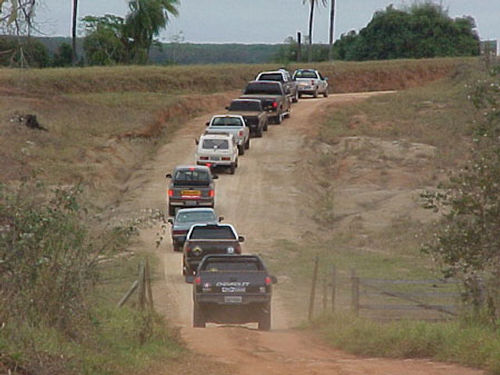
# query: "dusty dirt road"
264,200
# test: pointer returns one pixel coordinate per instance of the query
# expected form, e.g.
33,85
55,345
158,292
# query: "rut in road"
264,201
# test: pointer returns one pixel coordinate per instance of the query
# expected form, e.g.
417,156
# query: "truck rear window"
245,106
191,177
271,77
217,265
262,88
212,233
219,144
306,74
226,121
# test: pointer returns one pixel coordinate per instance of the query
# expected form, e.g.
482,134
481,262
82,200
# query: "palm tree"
311,16
145,21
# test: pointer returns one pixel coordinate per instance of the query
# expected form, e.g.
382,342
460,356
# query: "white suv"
217,150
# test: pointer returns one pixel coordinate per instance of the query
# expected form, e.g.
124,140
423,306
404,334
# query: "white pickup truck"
232,124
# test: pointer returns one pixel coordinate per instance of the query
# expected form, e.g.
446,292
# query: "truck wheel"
265,126
241,150
232,169
176,246
279,118
300,95
265,319
325,94
247,144
171,210
198,317
315,93
295,98
258,134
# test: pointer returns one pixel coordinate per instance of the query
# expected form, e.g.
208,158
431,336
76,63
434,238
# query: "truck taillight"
225,158
268,280
237,249
240,133
211,194
177,232
312,82
275,105
170,192
197,281
203,157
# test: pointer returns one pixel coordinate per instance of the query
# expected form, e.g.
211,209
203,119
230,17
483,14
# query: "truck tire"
198,317
241,150
232,169
315,93
176,247
258,133
295,98
279,118
247,144
325,94
171,210
264,322
265,126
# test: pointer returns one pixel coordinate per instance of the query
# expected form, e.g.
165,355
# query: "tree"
421,31
105,42
63,56
332,28
312,4
74,57
467,243
144,22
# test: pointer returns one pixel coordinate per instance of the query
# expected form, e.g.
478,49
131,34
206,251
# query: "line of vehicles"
228,286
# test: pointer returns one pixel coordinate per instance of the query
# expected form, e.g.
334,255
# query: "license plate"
190,203
191,193
233,289
215,158
233,299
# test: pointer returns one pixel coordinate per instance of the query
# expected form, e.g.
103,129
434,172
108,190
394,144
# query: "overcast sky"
261,21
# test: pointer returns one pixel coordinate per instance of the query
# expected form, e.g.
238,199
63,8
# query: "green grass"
462,342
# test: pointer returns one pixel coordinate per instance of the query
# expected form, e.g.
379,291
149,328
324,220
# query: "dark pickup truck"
190,186
273,96
204,239
252,112
232,289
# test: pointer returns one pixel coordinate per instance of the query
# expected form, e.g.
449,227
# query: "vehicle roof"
217,135
246,100
213,225
305,70
191,166
232,256
266,82
228,115
197,209
279,71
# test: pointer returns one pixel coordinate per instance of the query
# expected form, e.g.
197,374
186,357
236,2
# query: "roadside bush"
46,262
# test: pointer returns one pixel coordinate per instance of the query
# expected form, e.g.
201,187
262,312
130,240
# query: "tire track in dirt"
264,202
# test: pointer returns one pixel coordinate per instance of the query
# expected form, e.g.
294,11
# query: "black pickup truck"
253,113
273,96
232,289
204,239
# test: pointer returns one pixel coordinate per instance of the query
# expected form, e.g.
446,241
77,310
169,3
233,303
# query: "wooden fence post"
354,293
334,287
142,287
148,285
313,288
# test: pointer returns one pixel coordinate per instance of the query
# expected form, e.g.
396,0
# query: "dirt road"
265,201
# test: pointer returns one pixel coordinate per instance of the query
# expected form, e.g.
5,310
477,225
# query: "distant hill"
191,53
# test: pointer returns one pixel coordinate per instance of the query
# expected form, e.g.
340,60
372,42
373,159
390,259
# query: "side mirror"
227,108
221,218
241,239
171,220
207,123
274,280
168,175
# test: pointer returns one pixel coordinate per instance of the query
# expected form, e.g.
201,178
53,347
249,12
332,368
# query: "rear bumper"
191,202
218,163
218,299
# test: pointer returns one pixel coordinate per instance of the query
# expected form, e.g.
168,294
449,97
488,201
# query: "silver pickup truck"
232,124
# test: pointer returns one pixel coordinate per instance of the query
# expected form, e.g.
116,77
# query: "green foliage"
105,42
46,263
422,31
63,55
467,245
23,52
113,40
